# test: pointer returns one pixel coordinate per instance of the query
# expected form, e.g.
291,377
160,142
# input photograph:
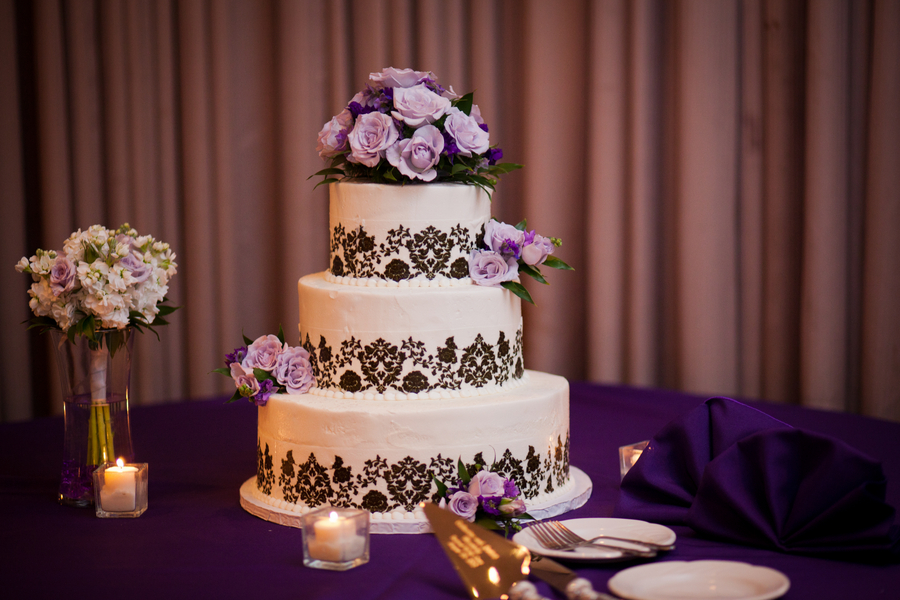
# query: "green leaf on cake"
247,340
521,225
280,333
465,103
556,263
532,272
518,289
463,472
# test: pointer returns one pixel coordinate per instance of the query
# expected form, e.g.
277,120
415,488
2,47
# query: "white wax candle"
335,539
119,488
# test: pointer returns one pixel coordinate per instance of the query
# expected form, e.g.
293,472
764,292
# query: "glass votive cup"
628,455
335,538
120,491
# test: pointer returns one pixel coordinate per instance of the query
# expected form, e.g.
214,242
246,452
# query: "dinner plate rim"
644,571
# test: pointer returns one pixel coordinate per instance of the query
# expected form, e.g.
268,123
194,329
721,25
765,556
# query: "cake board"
579,493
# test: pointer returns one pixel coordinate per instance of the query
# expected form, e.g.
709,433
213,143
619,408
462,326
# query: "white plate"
699,580
589,528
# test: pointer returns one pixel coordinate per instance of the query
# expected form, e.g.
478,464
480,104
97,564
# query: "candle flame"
332,516
120,463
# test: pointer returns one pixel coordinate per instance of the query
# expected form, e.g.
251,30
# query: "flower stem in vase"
101,436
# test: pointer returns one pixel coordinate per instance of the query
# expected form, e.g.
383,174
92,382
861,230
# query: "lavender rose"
490,268
244,380
503,238
140,271
465,505
62,275
399,78
417,156
418,105
537,250
263,353
293,371
485,483
372,135
470,138
333,137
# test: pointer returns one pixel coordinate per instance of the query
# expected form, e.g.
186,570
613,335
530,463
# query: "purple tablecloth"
196,541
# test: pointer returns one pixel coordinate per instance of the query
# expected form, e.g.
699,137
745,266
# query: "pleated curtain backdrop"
725,175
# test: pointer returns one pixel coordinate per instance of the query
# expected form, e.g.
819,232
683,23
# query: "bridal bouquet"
486,498
406,127
103,280
104,284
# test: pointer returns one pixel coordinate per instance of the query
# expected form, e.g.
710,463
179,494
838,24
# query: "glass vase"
95,377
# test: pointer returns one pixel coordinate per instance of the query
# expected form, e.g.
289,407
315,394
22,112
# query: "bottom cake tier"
382,455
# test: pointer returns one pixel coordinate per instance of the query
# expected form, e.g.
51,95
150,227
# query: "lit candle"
335,539
119,488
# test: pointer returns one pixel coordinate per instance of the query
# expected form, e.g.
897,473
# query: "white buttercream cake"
416,366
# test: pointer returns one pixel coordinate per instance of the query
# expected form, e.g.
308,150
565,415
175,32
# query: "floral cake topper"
266,366
405,127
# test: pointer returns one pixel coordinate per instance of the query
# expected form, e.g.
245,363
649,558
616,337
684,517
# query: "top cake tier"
409,235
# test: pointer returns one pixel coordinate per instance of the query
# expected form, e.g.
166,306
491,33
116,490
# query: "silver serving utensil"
553,539
574,537
491,566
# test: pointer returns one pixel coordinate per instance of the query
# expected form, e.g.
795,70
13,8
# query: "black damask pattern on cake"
265,475
355,253
380,366
409,481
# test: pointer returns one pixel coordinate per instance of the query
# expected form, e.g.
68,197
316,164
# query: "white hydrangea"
115,272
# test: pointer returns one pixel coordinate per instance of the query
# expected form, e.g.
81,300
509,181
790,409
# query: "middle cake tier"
410,342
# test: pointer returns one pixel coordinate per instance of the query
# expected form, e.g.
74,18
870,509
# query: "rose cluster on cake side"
485,497
405,127
266,366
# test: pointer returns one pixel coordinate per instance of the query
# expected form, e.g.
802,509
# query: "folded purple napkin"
732,472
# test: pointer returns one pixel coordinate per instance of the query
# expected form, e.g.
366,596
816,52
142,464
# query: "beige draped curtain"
725,175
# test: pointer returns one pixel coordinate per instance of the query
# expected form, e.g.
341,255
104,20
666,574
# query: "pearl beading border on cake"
432,395
437,282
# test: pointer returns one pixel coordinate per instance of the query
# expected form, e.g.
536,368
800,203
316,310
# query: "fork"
573,537
552,539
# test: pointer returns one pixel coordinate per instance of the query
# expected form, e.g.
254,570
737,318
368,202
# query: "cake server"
491,566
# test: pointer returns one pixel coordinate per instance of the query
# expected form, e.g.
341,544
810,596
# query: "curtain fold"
724,175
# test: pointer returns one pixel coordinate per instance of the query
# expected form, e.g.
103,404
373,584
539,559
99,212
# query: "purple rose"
470,138
503,238
399,78
418,105
333,137
416,156
512,507
62,275
140,270
293,371
465,505
485,483
537,251
244,380
263,353
372,135
490,268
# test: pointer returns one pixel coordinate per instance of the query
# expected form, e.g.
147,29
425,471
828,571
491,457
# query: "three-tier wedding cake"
416,351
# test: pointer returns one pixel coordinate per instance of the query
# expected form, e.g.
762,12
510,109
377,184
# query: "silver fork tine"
572,537
553,539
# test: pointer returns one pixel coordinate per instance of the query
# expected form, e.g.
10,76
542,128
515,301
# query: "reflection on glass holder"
120,490
335,538
628,455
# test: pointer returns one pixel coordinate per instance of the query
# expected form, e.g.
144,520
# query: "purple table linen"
195,541
734,473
